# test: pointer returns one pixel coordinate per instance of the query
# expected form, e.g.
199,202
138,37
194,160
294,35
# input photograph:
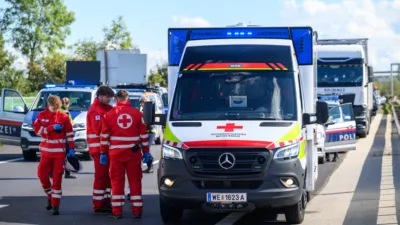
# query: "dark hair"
122,95
105,91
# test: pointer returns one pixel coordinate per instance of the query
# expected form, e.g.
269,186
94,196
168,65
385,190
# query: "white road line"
11,160
3,206
387,204
232,218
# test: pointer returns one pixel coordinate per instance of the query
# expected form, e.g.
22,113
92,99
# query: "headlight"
169,152
27,126
287,152
79,126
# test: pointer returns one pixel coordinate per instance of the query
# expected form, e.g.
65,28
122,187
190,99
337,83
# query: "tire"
86,156
29,155
170,214
159,139
295,214
363,135
321,160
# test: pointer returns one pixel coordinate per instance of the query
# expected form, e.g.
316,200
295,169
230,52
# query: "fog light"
288,182
168,182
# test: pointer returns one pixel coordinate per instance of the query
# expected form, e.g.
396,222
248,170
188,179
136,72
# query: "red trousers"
46,165
102,183
131,163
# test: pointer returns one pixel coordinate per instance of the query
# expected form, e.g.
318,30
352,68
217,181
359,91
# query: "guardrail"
396,119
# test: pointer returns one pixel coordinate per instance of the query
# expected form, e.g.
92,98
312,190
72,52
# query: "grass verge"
387,108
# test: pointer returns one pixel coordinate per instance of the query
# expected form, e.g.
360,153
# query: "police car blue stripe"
340,135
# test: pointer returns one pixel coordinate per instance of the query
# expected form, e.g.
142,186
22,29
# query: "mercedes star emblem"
226,160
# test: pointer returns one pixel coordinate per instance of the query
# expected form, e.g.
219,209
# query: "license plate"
226,197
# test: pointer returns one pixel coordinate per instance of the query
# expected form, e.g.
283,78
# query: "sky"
149,20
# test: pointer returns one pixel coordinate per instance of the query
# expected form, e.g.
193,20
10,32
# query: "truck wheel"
86,156
170,214
29,155
295,214
321,160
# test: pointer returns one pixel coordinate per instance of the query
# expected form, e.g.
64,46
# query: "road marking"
3,206
232,218
11,160
387,204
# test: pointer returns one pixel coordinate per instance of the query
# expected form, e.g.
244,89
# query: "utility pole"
392,70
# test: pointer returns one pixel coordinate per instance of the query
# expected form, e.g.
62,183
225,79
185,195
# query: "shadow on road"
77,210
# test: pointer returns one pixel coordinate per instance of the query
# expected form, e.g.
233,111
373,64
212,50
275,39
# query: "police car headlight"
79,126
169,152
27,126
287,152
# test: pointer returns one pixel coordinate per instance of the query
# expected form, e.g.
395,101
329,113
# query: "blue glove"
146,157
71,153
57,127
103,159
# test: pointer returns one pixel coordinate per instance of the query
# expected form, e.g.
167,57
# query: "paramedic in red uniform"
122,133
102,184
55,129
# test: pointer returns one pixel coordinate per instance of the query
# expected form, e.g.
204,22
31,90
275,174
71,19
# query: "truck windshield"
223,95
340,75
79,100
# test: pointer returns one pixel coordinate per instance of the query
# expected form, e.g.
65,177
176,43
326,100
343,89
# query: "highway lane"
22,199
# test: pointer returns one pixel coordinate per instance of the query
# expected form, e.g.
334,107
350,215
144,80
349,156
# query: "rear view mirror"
149,113
18,109
322,112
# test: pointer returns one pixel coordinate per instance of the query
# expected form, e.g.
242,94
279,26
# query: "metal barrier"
396,120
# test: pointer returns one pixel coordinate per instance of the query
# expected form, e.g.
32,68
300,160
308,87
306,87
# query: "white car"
17,119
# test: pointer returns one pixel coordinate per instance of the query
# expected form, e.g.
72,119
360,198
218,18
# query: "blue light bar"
301,37
69,86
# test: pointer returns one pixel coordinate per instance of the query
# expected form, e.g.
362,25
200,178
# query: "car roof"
60,89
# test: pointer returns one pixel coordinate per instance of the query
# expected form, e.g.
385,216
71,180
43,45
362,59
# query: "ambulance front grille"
246,161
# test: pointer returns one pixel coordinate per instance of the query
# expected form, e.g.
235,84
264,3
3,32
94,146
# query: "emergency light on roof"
302,38
329,98
71,84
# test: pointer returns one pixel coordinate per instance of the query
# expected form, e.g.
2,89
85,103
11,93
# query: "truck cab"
242,112
343,67
19,118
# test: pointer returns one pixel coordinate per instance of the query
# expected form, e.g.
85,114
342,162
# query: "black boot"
56,211
48,205
335,157
149,167
116,216
103,210
137,216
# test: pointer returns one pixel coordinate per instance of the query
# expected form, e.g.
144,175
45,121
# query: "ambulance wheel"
170,214
86,156
295,214
29,155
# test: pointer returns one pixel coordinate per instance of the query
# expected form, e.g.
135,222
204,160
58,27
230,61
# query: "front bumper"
264,190
30,142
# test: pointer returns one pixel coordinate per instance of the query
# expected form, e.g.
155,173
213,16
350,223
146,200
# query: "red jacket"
53,144
93,125
122,128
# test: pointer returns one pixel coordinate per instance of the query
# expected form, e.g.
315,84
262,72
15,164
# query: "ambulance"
241,122
17,118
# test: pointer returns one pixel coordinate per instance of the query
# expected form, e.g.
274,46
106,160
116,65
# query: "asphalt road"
22,199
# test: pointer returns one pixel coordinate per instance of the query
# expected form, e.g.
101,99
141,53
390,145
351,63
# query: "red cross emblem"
124,121
229,127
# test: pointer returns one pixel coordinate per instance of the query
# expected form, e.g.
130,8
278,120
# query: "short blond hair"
54,101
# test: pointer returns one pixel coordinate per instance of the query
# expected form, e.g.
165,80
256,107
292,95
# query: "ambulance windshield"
235,95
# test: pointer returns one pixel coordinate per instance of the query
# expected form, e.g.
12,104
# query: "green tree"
159,74
86,49
117,35
50,68
37,26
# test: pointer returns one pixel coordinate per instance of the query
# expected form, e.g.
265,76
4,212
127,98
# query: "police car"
16,117
134,98
340,131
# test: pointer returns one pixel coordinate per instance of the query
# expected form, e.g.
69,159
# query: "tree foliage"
159,74
36,26
116,36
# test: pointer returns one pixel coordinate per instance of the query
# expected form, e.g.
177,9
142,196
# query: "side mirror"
18,109
370,74
322,112
149,113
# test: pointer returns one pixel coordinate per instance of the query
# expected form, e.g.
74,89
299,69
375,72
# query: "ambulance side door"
13,109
